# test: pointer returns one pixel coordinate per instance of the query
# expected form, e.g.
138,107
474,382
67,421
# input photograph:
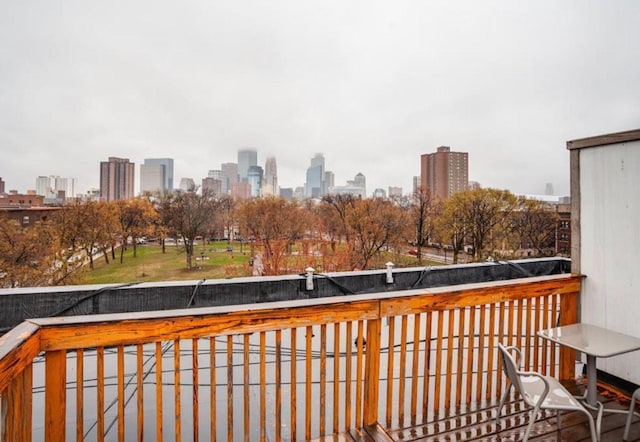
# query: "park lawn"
151,264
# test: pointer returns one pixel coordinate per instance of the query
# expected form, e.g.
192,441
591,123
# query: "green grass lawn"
151,264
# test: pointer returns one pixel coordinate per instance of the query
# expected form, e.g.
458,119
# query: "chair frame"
511,368
635,397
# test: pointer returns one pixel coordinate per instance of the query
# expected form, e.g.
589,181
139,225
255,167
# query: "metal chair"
627,427
538,391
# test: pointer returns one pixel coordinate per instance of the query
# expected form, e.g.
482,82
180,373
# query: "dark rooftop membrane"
19,304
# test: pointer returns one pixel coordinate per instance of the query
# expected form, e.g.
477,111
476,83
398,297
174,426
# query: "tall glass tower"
246,159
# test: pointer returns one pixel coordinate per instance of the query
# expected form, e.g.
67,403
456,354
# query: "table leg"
592,390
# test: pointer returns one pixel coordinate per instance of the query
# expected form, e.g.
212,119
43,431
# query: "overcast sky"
372,85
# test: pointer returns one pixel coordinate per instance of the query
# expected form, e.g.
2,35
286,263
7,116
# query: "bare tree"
343,205
534,226
372,225
423,211
190,215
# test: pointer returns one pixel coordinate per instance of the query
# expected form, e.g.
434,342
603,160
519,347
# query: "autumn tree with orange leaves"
275,225
374,224
32,256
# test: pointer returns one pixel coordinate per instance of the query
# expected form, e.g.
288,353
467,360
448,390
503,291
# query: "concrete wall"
19,304
606,193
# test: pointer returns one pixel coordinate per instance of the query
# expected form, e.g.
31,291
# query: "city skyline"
371,85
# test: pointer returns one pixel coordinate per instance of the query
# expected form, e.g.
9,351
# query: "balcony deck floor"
479,425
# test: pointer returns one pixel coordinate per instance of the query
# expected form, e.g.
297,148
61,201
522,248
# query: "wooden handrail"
454,328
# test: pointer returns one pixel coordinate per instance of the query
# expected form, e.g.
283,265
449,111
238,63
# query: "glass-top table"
595,342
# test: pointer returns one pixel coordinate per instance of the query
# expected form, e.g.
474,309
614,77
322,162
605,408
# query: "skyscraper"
156,174
270,187
212,185
43,186
220,176
1,186
315,177
187,185
254,178
395,191
444,172
116,179
54,186
230,171
329,182
246,159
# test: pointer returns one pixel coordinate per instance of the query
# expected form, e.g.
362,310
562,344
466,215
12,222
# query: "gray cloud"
372,85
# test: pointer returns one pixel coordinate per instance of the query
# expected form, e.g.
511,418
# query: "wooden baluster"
294,384
510,323
528,344
439,352
121,398
336,377
159,432
278,409
554,347
460,354
79,395
491,372
245,387
308,374
348,377
263,387
360,344
569,309
177,389
230,388
470,350
426,399
372,372
518,329
482,328
536,340
501,325
100,393
196,390
449,374
212,392
403,369
55,393
17,407
390,369
415,366
323,380
140,390
545,343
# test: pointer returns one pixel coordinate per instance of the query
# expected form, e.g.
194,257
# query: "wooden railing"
287,371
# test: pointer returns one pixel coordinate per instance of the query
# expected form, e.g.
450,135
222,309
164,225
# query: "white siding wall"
610,245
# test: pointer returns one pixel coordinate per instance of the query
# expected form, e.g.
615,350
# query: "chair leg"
594,429
503,400
532,418
632,406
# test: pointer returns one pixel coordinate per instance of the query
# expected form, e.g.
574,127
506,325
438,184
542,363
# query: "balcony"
408,365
